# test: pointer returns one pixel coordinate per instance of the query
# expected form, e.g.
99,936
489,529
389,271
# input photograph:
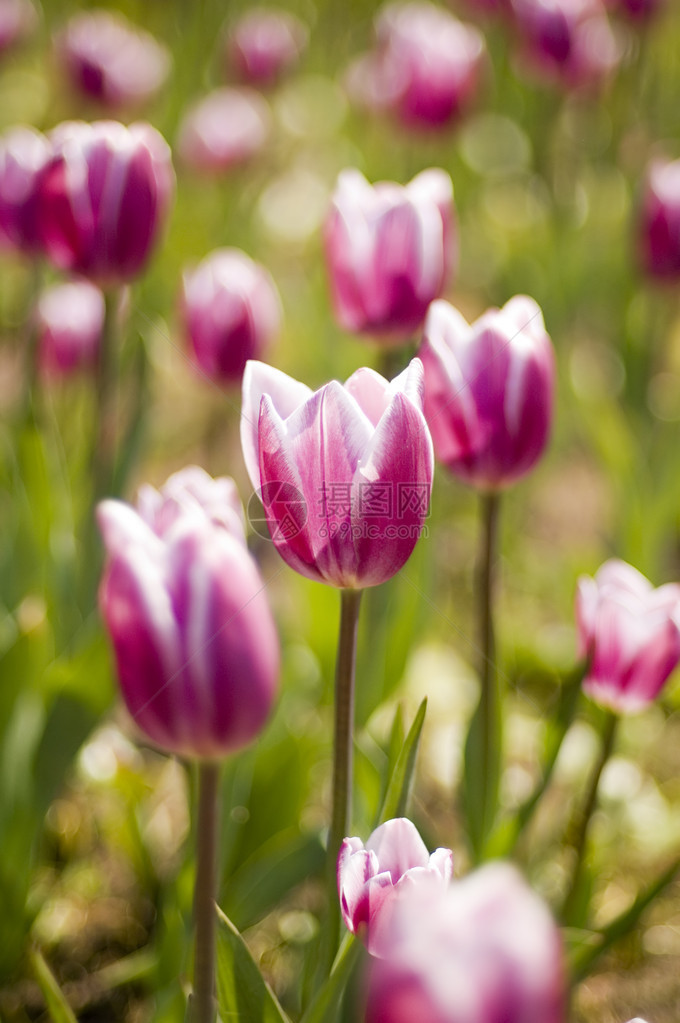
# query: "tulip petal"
286,395
398,847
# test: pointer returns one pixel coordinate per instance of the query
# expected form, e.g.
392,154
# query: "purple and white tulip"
18,21
390,250
24,154
225,129
659,221
344,473
488,390
629,633
374,878
69,325
264,44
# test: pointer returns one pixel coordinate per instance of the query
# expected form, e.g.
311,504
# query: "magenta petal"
398,847
286,394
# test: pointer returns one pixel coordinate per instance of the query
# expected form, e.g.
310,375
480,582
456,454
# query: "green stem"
203,1002
581,825
342,756
103,450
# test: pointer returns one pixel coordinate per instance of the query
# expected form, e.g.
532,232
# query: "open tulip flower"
344,473
488,390
372,878
390,250
195,645
630,634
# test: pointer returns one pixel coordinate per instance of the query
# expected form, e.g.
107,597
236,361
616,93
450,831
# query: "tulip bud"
24,154
264,44
104,198
630,635
488,390
18,20
195,645
659,227
231,311
389,251
224,130
69,325
374,877
486,951
344,473
108,60
639,10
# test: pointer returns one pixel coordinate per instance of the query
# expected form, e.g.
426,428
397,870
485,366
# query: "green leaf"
58,1008
68,725
243,995
326,1003
399,786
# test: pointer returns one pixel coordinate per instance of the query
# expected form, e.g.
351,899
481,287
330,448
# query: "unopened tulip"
372,878
568,41
104,198
195,645
109,60
264,44
389,251
659,225
192,489
486,951
639,10
629,633
231,311
24,154
18,20
427,65
69,325
344,473
488,390
225,129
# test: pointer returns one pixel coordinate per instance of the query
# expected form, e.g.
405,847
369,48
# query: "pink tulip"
18,20
486,951
24,154
195,645
390,250
225,129
69,325
344,473
659,221
231,311
264,44
488,390
568,41
426,68
192,489
105,198
374,877
638,10
110,61
630,634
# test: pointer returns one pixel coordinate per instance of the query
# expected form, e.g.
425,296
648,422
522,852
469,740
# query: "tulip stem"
581,824
203,1003
342,755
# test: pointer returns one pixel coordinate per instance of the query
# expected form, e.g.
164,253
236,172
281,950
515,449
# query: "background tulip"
345,473
69,324
110,61
195,644
659,223
488,390
24,154
389,251
630,634
372,878
104,198
18,19
264,44
192,490
231,311
487,951
224,130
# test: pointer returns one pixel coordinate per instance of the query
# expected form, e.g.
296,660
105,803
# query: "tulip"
69,324
372,878
24,154
639,10
486,951
629,633
108,60
192,489
225,129
18,20
195,644
567,41
344,473
659,222
389,251
426,68
488,390
104,198
264,44
231,311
